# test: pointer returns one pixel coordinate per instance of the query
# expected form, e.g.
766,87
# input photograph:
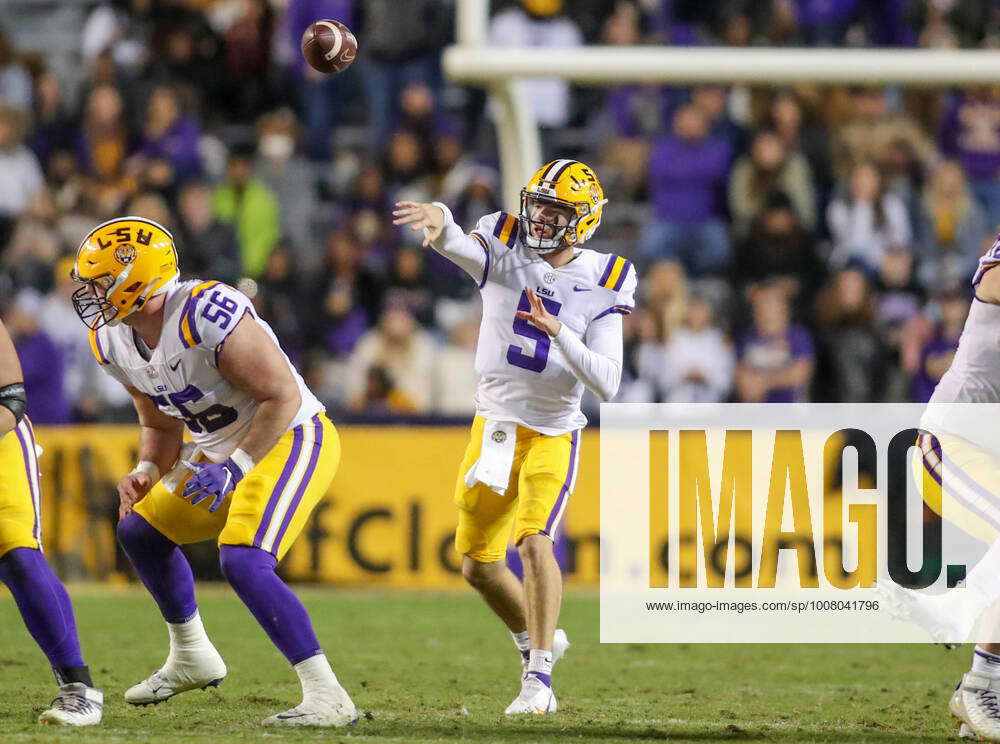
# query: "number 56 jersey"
181,374
523,374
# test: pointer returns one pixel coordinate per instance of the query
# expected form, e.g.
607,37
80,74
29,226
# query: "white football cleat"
964,732
333,709
184,669
77,705
535,698
976,703
560,642
948,618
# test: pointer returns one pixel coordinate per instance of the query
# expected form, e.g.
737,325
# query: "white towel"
496,457
173,477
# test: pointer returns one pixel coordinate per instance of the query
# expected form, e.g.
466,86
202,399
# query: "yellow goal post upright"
472,61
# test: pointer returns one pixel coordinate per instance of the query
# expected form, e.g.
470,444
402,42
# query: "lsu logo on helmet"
122,263
570,184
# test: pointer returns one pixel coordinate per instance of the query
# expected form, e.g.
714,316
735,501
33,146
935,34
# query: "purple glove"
215,478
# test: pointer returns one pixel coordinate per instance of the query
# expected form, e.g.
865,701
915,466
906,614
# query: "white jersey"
524,375
974,374
181,375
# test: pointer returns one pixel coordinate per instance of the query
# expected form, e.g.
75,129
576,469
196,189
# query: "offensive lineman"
40,596
552,324
195,354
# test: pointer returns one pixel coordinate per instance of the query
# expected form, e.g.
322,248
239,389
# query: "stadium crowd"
807,243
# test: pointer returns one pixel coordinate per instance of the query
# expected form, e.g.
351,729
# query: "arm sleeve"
598,362
469,252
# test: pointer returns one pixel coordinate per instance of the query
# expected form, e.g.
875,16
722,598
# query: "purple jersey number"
211,419
537,361
221,309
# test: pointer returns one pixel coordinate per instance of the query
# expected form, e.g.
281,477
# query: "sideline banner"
790,523
388,519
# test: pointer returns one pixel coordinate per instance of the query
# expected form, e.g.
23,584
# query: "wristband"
243,461
149,468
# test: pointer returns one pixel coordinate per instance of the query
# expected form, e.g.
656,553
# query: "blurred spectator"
539,23
407,166
15,82
246,204
103,142
351,295
22,175
866,221
403,349
800,132
53,126
401,43
207,245
970,133
121,27
937,353
697,360
321,98
42,365
170,136
778,249
687,173
455,379
826,22
899,301
712,101
247,59
380,396
290,178
769,168
851,344
952,228
867,134
409,285
35,244
667,294
279,300
776,359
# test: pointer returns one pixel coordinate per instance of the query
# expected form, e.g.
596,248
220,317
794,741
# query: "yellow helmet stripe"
95,347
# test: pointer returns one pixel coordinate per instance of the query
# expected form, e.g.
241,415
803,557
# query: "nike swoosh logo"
578,288
285,716
174,367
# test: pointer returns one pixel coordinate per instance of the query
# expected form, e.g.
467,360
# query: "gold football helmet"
122,263
570,184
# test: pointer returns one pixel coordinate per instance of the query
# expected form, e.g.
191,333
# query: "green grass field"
438,668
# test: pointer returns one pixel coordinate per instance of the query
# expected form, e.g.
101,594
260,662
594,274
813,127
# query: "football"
329,46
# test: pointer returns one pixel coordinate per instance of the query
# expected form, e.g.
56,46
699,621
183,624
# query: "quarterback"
194,354
552,325
39,595
958,449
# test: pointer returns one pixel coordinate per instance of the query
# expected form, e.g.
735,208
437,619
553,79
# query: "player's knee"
133,532
478,574
534,548
240,564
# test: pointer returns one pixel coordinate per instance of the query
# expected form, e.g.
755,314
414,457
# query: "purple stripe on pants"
290,512
28,466
286,473
564,491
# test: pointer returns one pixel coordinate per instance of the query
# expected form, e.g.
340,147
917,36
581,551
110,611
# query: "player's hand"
418,216
539,316
216,479
131,489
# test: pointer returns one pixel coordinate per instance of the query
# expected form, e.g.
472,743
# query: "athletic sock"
188,634
540,666
983,662
44,606
523,642
316,676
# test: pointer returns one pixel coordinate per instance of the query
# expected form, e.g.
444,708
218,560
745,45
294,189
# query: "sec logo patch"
499,437
549,277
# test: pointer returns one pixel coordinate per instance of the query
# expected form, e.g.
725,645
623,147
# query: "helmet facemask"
555,234
91,301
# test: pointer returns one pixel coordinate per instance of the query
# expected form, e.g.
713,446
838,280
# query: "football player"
194,354
552,325
41,598
959,453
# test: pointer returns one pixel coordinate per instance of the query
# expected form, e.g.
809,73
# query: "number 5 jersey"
181,374
524,375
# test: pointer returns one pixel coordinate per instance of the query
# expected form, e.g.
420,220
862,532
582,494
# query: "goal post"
473,62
